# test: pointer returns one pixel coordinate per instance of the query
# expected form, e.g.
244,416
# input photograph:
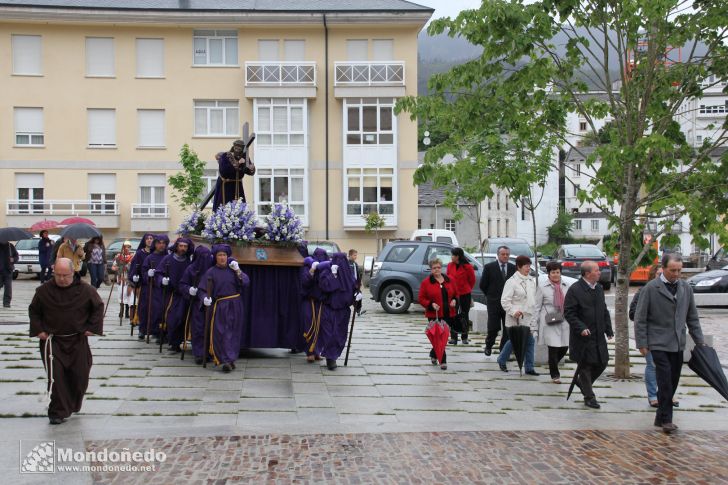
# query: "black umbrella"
574,381
13,234
704,362
80,230
518,336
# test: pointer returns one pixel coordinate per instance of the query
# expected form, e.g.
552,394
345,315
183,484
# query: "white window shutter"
29,180
27,54
151,127
268,50
383,49
100,56
294,50
29,120
102,183
357,50
101,127
150,57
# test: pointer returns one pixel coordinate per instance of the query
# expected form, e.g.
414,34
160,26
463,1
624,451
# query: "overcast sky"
448,8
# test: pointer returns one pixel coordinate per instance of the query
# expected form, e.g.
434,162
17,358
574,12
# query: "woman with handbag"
553,329
519,302
461,272
438,295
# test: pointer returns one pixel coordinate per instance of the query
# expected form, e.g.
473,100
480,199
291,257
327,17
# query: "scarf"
558,296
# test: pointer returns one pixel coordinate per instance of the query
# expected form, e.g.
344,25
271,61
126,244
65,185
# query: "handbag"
554,318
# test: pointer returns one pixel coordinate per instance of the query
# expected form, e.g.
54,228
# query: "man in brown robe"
63,314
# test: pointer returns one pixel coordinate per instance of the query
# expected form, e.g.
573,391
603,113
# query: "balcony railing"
290,73
149,211
61,207
373,73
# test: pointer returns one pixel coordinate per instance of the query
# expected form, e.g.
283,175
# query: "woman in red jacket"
463,275
439,297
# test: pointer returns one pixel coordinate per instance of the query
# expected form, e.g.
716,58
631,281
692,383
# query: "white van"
435,235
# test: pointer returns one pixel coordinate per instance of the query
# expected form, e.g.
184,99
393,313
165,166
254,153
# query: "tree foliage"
560,231
505,112
188,184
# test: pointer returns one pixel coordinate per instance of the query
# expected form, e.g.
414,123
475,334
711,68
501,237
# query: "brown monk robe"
63,314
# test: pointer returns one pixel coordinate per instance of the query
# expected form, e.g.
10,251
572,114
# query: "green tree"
188,184
505,111
374,222
560,231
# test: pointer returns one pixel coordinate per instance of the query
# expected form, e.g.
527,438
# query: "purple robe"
153,261
311,305
175,305
226,314
141,297
338,293
229,185
195,318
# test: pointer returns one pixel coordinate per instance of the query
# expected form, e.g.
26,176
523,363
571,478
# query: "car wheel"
395,299
15,275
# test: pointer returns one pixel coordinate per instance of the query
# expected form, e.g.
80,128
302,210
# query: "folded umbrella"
44,225
518,336
439,333
704,362
13,234
80,231
574,381
77,220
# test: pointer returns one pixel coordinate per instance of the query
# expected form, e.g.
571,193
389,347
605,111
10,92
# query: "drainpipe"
326,118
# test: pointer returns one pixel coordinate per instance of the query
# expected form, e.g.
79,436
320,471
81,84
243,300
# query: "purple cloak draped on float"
229,185
227,312
201,262
338,293
153,261
175,305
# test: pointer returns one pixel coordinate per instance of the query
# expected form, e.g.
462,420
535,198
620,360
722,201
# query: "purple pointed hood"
319,254
190,246
144,238
202,260
216,248
344,273
307,261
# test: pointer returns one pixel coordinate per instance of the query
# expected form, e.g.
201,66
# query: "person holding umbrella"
73,251
586,311
438,295
519,302
665,310
8,258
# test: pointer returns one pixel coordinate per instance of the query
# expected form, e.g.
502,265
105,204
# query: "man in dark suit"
494,278
586,311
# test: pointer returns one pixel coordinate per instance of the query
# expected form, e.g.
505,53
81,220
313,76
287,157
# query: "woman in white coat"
553,329
519,302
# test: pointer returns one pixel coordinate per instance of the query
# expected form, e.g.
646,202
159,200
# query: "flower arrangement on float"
231,223
283,225
192,224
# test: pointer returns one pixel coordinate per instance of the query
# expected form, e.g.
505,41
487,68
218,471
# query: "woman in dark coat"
45,246
462,274
226,302
194,321
438,295
337,284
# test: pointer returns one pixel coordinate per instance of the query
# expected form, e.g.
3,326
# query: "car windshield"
115,246
330,250
400,254
518,249
27,244
584,252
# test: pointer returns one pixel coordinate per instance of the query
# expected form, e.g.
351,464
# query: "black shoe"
669,428
232,364
56,420
198,360
126,311
226,368
141,336
465,341
532,372
503,367
658,422
174,348
487,351
331,364
6,306
452,342
592,403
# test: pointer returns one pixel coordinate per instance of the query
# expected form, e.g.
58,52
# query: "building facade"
99,98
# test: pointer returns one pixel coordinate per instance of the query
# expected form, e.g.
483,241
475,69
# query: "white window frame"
379,104
217,104
112,54
141,143
29,134
100,145
577,224
595,225
272,138
450,225
142,45
16,40
363,211
154,207
102,193
264,202
31,182
218,35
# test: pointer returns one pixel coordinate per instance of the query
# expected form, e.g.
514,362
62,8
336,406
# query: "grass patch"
2,381
28,393
20,366
177,399
124,414
692,393
102,398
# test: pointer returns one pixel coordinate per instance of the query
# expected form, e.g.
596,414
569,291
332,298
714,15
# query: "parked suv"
572,255
402,265
28,259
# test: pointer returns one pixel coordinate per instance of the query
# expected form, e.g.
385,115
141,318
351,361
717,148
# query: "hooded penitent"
192,278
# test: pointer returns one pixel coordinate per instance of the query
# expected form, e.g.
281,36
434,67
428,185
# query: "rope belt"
212,325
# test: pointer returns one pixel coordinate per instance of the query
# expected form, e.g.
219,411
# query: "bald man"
589,321
63,314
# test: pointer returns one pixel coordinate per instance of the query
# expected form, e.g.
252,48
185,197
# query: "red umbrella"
76,220
439,333
46,224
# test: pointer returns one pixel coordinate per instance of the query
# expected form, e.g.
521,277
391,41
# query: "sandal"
654,404
310,358
556,380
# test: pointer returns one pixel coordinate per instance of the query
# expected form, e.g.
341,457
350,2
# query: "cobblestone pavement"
389,392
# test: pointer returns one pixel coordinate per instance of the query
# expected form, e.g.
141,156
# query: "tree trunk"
621,304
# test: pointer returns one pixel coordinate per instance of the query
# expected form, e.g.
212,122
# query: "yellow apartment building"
99,96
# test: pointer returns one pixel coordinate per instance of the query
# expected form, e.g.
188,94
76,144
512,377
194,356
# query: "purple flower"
282,224
234,221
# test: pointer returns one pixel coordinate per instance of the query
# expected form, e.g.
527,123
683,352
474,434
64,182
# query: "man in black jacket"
8,258
494,278
586,311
